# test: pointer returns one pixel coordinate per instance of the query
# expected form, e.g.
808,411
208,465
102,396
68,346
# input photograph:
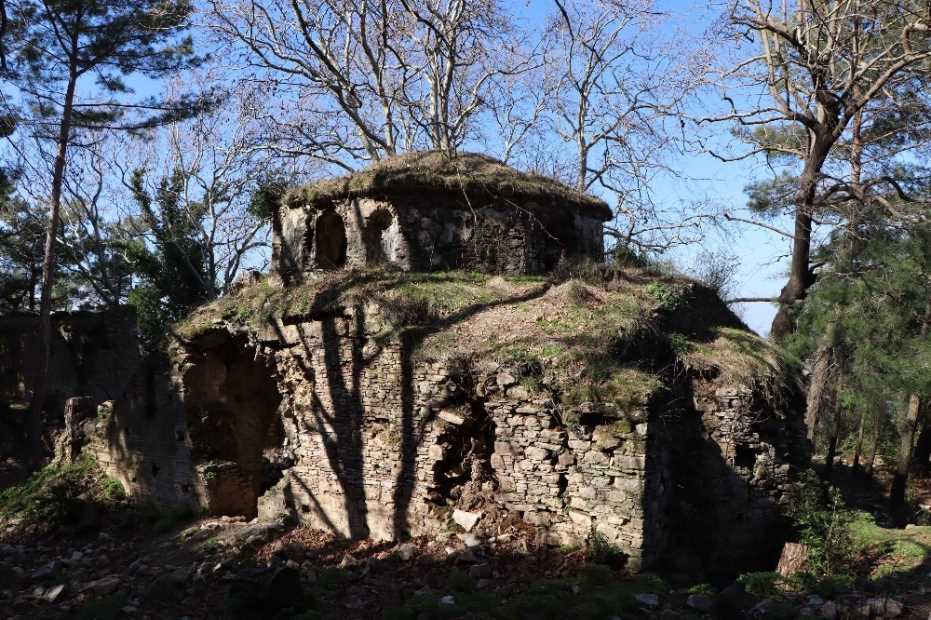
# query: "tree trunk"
40,386
920,461
832,444
800,276
904,460
907,440
858,449
877,435
818,388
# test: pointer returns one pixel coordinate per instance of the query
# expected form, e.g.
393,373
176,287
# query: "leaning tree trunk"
40,386
800,275
907,441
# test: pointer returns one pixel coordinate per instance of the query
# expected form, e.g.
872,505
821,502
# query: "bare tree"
618,104
365,79
216,158
817,65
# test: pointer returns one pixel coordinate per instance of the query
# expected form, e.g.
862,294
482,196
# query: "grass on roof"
474,175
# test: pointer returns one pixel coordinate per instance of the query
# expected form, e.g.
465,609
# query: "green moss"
628,388
50,497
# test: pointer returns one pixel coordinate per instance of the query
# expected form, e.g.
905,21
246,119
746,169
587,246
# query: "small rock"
505,379
466,520
104,585
76,556
471,541
51,595
829,610
45,571
407,551
885,607
700,602
448,600
647,600
292,564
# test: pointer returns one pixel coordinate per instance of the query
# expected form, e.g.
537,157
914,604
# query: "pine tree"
64,46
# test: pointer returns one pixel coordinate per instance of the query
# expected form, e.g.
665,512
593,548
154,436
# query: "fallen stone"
45,571
480,571
104,585
283,589
466,520
448,600
505,379
885,607
452,418
647,600
51,595
828,611
407,551
700,602
471,541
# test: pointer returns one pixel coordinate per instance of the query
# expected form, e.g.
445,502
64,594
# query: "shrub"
599,551
667,296
761,584
824,524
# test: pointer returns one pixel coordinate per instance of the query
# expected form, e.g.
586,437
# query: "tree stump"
794,559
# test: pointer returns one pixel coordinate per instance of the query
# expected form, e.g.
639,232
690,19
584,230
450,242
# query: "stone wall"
424,233
343,423
92,354
376,442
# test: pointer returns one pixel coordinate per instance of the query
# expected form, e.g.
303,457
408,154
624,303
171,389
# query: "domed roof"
475,174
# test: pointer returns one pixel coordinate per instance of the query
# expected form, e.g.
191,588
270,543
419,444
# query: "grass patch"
53,496
595,591
738,356
890,552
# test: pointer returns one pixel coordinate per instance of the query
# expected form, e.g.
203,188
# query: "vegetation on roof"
613,343
474,175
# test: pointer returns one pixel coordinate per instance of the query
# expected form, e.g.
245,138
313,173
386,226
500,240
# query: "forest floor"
71,547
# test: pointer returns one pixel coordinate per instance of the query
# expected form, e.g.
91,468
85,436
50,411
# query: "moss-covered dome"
433,171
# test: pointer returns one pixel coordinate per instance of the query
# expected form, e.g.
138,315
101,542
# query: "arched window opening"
330,241
378,245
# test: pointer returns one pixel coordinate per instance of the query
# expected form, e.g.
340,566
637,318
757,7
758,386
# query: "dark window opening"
155,470
377,247
745,457
330,241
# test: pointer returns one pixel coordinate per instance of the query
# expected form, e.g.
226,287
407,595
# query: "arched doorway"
329,241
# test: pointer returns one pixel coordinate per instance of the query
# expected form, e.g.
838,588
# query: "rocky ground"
230,568
72,547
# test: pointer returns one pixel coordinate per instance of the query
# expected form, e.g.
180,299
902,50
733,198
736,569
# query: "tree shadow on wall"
346,350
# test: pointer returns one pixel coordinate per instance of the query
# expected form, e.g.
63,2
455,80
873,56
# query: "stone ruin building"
406,399
419,213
